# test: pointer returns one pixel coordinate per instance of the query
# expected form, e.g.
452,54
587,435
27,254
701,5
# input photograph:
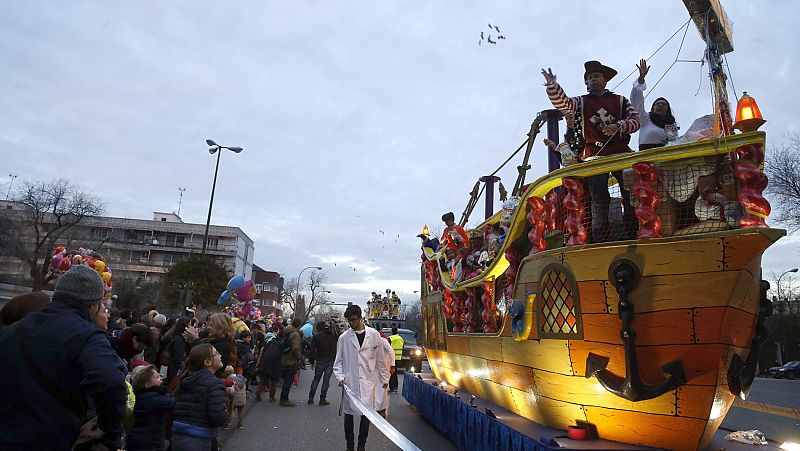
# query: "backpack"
286,342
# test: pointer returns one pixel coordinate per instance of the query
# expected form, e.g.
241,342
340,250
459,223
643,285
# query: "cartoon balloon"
55,261
65,264
106,276
247,292
235,283
100,266
224,297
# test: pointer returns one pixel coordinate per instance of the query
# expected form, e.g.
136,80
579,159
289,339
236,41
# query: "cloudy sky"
361,121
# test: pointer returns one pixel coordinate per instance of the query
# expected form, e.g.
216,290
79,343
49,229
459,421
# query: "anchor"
625,277
742,373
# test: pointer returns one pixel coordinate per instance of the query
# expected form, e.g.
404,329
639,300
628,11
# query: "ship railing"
699,187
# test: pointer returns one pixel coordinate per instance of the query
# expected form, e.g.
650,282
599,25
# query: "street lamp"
297,290
214,148
779,281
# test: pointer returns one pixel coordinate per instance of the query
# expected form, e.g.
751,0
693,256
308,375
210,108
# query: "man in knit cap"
56,359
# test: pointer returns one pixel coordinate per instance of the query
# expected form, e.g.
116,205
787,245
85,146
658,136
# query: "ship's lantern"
425,230
748,116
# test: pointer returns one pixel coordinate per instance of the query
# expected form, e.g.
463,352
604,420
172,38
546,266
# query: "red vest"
596,113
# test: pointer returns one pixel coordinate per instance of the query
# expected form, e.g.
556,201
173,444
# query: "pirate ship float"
648,340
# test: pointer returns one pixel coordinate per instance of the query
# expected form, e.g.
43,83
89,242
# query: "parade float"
644,339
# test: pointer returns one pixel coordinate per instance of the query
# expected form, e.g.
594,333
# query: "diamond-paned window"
558,306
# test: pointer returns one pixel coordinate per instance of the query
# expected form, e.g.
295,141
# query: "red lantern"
748,116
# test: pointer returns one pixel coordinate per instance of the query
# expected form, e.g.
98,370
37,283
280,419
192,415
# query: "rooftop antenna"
12,177
180,199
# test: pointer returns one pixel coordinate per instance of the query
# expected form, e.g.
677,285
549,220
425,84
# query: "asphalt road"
312,427
778,392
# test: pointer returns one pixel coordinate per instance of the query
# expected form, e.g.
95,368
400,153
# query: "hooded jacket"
59,359
293,357
152,404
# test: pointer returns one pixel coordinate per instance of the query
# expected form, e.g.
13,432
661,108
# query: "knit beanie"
80,283
159,320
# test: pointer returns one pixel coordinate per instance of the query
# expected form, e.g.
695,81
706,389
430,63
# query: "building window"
163,219
258,288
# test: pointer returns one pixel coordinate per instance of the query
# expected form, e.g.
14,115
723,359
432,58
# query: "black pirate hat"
595,66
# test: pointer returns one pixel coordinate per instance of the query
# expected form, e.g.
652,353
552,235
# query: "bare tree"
45,213
785,295
783,168
294,294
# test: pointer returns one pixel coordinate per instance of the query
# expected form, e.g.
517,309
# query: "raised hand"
549,76
643,69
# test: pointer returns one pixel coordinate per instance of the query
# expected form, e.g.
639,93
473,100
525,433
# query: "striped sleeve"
560,100
630,124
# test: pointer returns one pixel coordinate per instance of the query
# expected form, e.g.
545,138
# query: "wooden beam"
720,29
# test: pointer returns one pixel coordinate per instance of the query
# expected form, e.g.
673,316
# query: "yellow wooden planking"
530,268
724,325
592,295
547,354
686,256
654,328
485,347
458,343
696,400
511,375
660,293
579,390
549,412
745,295
660,431
496,393
740,250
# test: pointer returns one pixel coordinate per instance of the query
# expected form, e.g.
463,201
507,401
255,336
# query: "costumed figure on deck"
394,305
658,126
606,121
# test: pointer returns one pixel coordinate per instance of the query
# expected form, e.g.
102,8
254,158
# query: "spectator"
174,348
153,403
290,359
323,351
200,401
269,365
134,340
56,359
221,335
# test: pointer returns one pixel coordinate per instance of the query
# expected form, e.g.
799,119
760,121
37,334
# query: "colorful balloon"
224,297
235,283
106,276
247,292
100,266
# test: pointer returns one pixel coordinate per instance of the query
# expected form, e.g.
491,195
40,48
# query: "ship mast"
714,28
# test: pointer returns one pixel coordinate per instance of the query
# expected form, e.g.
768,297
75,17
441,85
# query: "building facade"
269,290
144,250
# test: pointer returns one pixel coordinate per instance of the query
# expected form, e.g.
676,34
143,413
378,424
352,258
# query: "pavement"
313,427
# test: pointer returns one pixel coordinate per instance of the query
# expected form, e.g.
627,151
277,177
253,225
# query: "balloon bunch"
241,291
64,260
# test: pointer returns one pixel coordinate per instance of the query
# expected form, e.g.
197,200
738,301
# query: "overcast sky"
361,121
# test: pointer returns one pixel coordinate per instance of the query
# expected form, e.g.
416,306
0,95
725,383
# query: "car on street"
790,370
413,355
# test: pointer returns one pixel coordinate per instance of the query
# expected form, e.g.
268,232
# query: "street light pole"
297,290
214,148
779,281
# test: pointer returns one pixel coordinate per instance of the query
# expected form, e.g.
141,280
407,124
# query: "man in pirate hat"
606,121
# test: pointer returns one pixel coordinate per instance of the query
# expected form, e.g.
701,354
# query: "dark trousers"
600,201
393,378
288,378
363,431
322,370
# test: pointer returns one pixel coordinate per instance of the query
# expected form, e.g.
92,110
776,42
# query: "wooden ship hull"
646,340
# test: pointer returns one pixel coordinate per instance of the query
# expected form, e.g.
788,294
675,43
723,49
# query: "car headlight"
418,352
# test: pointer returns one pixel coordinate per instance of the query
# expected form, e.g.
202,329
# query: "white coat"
383,395
362,368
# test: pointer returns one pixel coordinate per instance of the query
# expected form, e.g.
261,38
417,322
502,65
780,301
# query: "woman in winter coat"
222,336
200,406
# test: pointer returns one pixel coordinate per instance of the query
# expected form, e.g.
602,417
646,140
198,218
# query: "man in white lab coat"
361,365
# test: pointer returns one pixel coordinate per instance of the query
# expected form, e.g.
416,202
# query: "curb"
224,435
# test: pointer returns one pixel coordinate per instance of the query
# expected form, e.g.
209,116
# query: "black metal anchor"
625,278
741,373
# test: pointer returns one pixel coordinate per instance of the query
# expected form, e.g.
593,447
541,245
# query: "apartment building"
144,249
269,289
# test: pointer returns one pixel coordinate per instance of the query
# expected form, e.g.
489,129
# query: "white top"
649,133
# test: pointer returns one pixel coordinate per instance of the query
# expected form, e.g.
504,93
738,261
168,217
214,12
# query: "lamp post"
214,148
779,281
297,291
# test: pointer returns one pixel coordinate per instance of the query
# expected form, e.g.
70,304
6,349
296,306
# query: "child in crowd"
229,382
239,398
153,403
